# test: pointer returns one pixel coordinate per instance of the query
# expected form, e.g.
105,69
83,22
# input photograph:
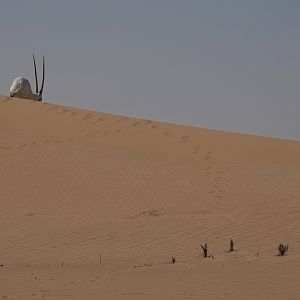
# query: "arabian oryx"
21,87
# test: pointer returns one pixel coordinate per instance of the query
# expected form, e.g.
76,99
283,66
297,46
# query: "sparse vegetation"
231,246
153,212
282,249
173,260
205,250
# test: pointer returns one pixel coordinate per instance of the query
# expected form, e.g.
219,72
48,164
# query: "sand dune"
76,184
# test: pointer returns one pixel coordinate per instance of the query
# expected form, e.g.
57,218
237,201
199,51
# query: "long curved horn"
43,79
36,80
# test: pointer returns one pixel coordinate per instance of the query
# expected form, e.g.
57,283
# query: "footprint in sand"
122,120
196,149
135,124
167,133
155,126
185,138
53,107
86,117
31,214
64,110
91,134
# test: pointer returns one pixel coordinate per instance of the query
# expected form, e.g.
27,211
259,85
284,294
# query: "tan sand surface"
78,184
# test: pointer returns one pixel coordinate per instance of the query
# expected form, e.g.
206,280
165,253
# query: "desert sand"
94,206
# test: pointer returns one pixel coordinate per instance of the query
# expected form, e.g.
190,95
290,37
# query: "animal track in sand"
64,110
155,126
196,149
167,133
121,120
86,117
53,107
185,138
91,134
150,213
48,141
31,214
142,266
135,124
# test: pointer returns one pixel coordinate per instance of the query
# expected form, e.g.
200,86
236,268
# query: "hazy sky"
228,65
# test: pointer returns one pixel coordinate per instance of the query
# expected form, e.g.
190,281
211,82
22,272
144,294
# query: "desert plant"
231,246
282,249
173,260
153,212
205,250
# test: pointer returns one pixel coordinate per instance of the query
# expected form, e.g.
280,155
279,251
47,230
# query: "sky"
230,65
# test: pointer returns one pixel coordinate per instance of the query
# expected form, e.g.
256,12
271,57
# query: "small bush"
231,246
205,250
282,249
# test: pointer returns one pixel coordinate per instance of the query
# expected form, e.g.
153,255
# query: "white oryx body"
21,87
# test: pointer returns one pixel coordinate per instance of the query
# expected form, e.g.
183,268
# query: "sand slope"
78,183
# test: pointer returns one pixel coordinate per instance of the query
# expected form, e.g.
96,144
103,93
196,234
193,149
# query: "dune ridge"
76,184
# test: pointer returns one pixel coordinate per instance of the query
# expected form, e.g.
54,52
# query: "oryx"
21,87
